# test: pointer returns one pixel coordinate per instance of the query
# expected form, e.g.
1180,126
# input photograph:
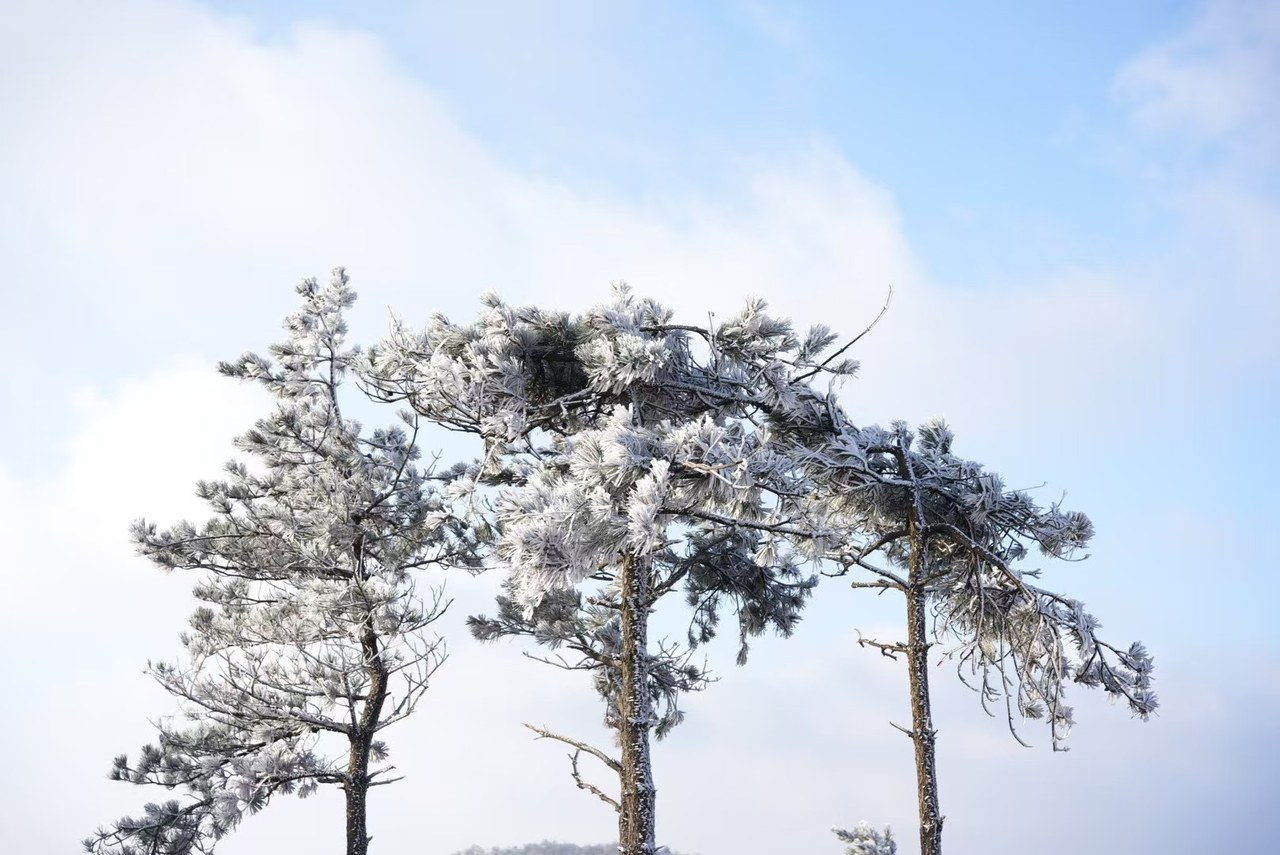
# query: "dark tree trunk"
636,819
922,732
361,739
357,788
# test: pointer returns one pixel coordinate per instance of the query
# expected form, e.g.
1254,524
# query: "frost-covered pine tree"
946,534
310,640
638,457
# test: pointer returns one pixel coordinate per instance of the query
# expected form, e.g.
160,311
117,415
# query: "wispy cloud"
1218,80
1205,106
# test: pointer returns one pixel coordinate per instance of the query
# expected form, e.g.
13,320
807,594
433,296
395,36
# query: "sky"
1077,211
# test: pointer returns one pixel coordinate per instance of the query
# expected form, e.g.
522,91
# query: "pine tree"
640,456
311,635
951,538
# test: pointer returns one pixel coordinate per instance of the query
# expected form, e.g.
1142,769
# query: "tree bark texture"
361,740
636,819
922,732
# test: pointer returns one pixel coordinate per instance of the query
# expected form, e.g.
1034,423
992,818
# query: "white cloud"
136,452
1216,79
1206,107
188,173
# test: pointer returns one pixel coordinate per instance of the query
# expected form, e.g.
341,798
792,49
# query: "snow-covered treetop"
618,426
309,613
517,369
972,534
957,497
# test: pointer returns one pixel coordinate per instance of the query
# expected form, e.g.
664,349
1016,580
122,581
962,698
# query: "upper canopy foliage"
1024,641
710,449
620,433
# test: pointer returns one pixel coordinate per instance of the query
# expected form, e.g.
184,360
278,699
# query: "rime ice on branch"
641,455
950,537
311,635
644,454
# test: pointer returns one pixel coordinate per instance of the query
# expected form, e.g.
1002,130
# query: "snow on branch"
310,621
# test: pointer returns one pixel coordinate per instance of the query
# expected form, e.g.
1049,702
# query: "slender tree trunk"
357,785
636,819
357,788
922,732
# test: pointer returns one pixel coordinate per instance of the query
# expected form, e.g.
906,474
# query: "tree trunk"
357,788
361,739
636,819
922,732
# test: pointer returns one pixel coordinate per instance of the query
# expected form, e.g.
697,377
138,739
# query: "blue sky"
653,98
1078,211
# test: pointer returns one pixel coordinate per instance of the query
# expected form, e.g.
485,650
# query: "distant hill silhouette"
547,847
